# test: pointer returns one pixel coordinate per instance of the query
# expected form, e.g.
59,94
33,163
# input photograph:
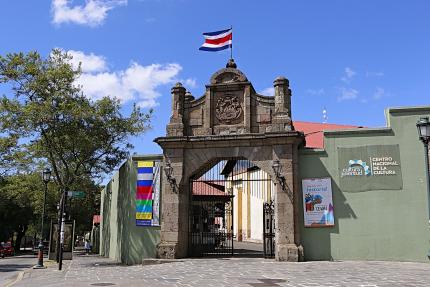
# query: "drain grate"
103,284
268,282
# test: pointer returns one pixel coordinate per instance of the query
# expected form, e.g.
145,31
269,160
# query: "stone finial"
188,97
231,64
178,86
282,115
176,126
281,81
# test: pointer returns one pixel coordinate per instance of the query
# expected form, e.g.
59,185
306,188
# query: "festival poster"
317,202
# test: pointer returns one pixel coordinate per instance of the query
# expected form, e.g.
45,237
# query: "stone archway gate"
230,120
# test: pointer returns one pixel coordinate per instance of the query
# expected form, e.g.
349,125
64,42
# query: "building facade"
376,182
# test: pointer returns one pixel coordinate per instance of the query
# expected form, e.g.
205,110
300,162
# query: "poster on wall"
370,167
148,193
317,202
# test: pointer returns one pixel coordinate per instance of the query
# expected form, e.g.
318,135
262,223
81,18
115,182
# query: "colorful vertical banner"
148,193
317,202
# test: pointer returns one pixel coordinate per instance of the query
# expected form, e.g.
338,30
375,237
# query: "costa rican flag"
217,41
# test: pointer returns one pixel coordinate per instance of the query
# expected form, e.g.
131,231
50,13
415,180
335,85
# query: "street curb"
21,274
17,279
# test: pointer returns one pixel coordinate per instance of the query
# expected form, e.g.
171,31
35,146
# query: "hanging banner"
317,202
148,193
371,167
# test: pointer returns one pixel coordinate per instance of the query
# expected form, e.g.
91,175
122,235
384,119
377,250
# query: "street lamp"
277,167
423,126
168,169
46,177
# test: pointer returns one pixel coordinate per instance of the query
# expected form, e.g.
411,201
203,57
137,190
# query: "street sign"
77,194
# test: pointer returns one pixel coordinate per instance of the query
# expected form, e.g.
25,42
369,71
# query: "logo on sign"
378,166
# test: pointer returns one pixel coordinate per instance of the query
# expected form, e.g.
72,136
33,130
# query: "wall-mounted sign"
317,202
148,193
370,167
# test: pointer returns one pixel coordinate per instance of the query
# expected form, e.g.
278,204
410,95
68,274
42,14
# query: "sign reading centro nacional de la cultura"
370,167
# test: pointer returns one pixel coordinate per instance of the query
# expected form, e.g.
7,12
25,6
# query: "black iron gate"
211,213
269,229
211,231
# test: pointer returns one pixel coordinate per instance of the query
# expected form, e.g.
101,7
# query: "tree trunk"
20,234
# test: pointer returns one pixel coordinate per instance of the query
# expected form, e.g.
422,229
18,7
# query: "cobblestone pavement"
96,271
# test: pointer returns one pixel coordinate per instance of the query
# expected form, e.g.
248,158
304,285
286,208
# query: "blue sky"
356,58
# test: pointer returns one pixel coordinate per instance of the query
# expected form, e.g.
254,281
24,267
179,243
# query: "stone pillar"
176,124
207,111
174,220
286,249
247,109
282,116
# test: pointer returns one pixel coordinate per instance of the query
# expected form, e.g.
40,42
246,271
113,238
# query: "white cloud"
318,92
349,74
136,83
268,91
374,74
93,13
347,94
89,63
381,93
190,83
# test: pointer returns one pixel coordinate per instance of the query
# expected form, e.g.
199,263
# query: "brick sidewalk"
97,271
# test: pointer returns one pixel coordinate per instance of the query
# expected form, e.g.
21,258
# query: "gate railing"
269,229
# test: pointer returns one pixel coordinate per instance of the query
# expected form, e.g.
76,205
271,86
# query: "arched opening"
231,210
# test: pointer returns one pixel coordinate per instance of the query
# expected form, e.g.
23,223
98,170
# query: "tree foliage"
47,121
77,137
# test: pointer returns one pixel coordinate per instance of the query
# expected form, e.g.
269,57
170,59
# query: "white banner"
317,202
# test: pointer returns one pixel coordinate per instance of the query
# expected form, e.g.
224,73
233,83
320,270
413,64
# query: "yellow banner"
145,164
143,215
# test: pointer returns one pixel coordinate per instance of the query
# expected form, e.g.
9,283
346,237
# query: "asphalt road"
12,265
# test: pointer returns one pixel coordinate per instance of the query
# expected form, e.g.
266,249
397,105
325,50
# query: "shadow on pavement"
14,267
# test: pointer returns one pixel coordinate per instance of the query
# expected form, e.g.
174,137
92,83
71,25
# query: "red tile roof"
209,187
314,132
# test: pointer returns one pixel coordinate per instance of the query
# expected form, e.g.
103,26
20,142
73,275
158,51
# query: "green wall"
120,238
375,224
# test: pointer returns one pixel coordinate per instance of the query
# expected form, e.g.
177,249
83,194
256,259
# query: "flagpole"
231,45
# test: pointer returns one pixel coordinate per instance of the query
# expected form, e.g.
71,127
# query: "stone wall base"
288,252
167,250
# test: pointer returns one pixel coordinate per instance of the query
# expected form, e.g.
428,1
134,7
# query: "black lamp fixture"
46,175
277,168
423,126
168,169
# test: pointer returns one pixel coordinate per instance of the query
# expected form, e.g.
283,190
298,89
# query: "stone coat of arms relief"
228,109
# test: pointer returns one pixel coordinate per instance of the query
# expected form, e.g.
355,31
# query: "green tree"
21,198
77,137
48,121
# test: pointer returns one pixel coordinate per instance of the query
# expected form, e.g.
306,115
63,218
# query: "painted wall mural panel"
148,193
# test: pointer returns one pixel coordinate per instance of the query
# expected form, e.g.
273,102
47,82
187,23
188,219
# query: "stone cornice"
358,131
291,137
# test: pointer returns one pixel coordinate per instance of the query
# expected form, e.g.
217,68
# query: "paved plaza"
91,270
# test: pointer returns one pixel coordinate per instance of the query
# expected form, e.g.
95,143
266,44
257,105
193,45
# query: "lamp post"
423,126
46,176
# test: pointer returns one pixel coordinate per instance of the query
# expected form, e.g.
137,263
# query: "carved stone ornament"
228,109
226,78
